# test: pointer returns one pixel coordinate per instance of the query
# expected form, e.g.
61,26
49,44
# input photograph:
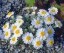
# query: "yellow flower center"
9,13
38,43
19,21
6,33
52,10
42,33
13,39
14,27
27,37
4,26
48,19
58,24
43,12
37,22
49,31
50,42
17,31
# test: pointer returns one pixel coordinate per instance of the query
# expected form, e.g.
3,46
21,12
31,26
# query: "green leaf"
30,2
57,6
46,0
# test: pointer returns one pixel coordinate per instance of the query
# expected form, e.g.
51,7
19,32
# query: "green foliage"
30,2
46,0
57,6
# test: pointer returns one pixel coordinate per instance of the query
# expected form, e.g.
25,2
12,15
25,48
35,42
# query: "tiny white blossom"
53,10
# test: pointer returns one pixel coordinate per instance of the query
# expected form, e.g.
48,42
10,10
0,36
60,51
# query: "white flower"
34,8
58,24
14,26
43,12
19,22
33,13
5,26
36,23
53,10
27,38
50,31
13,40
7,34
49,42
18,32
42,33
49,19
9,14
19,17
37,43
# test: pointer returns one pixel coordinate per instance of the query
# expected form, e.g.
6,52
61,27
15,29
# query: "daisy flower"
5,26
9,14
18,32
37,43
19,22
7,34
19,17
49,19
58,24
43,12
50,31
27,38
49,42
13,40
53,10
36,23
42,33
14,26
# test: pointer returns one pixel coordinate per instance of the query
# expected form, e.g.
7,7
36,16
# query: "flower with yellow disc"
37,43
43,12
49,19
53,10
49,42
18,32
58,24
27,38
9,14
50,31
14,26
5,26
7,34
36,23
19,22
13,40
42,33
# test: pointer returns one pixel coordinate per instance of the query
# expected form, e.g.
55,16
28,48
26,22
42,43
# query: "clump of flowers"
34,27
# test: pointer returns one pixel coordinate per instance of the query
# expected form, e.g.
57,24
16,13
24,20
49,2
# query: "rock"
1,51
23,47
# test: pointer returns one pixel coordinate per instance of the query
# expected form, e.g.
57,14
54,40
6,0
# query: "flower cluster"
35,27
10,5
